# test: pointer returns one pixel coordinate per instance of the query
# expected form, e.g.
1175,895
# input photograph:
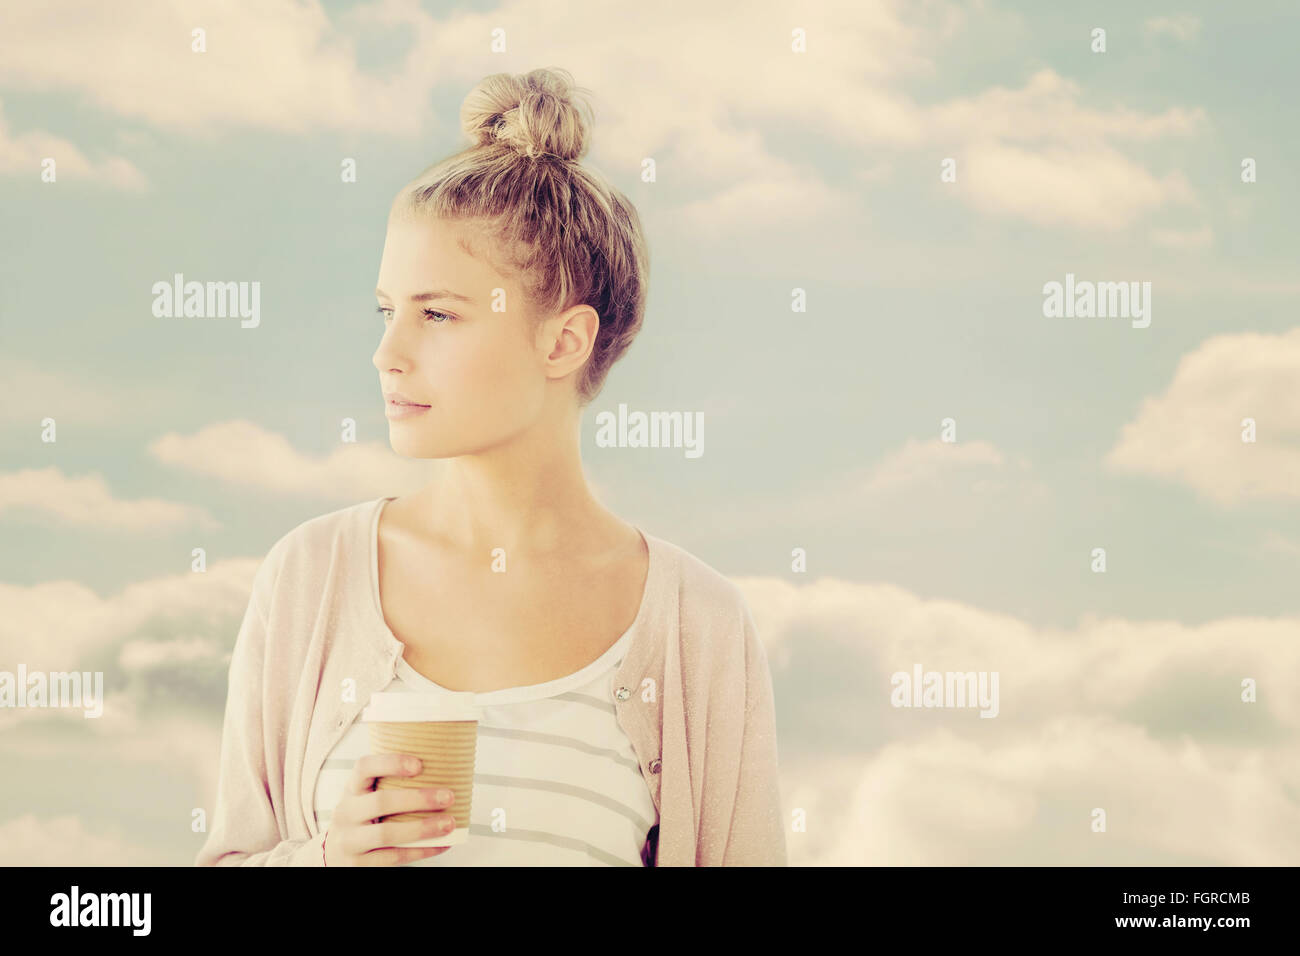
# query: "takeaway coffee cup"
440,729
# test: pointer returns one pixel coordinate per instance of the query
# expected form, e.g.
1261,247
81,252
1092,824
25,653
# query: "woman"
625,699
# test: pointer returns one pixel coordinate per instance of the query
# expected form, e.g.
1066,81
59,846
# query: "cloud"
286,66
1035,152
243,453
151,768
943,800
1274,541
874,172
1192,432
923,488
34,392
64,625
926,462
1105,665
47,494
947,485
65,840
1183,239
269,64
1085,186
1047,111
1141,718
1182,27
1038,153
154,656
779,200
23,154
163,646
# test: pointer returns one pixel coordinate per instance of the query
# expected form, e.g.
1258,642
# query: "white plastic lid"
449,705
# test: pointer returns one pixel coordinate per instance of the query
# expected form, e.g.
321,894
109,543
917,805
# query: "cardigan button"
622,693
655,765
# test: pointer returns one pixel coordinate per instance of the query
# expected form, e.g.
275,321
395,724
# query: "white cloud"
163,646
47,494
244,453
1048,111
35,391
921,486
875,172
1183,27
23,154
1273,541
776,200
65,840
1141,718
1102,666
286,66
153,655
944,800
1191,433
1091,186
952,483
125,752
59,625
926,462
1200,238
269,64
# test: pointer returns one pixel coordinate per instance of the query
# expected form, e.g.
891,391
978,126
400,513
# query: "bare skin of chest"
469,628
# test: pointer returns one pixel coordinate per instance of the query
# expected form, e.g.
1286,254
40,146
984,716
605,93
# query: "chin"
411,446
420,446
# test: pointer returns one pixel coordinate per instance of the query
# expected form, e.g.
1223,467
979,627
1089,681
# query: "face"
478,377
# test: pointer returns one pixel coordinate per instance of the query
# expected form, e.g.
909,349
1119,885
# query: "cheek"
485,371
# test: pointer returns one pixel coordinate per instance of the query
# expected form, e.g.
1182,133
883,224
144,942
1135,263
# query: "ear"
570,338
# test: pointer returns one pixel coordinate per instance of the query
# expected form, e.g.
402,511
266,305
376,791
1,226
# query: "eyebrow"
432,294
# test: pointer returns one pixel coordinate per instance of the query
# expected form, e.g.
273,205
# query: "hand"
353,838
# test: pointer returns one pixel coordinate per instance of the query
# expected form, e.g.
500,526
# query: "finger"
370,766
397,833
381,803
396,856
359,842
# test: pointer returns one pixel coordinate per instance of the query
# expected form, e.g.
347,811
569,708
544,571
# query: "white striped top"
552,764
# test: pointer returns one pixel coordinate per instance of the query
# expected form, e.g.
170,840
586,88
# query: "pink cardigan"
694,695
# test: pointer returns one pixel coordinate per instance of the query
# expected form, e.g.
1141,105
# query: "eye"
438,318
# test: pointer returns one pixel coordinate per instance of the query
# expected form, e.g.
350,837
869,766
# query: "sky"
921,171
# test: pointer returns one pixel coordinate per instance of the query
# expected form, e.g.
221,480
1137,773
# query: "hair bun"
534,114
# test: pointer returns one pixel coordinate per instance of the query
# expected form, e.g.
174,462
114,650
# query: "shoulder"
348,522
317,543
707,598
721,649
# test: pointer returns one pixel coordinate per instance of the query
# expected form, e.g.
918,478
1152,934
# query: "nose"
391,353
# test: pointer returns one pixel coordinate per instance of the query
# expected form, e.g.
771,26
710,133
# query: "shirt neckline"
507,695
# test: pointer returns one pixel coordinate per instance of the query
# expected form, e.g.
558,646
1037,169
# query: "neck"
528,495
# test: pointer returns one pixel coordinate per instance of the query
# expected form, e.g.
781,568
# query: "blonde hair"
572,237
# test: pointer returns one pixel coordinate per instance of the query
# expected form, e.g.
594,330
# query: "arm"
757,836
245,829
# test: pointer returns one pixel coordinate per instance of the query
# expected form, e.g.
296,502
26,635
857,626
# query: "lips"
397,398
